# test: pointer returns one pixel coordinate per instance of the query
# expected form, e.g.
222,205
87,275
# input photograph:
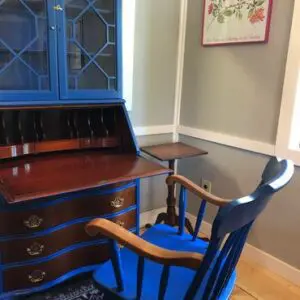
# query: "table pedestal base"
165,218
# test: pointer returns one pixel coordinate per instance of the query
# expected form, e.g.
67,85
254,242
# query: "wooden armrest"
197,190
143,248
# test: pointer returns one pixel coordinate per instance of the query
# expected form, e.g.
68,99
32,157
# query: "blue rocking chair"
166,263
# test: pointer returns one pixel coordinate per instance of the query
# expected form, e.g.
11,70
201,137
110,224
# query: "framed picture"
236,21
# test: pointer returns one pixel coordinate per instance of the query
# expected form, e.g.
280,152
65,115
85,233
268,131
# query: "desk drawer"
34,220
35,275
20,250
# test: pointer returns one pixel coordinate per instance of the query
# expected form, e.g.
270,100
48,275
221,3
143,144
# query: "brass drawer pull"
120,223
35,249
33,222
36,276
117,202
58,8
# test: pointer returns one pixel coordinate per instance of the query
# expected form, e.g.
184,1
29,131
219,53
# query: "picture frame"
228,22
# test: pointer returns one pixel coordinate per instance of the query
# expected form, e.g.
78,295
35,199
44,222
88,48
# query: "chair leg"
161,218
189,226
117,265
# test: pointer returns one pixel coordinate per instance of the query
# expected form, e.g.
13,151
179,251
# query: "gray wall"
235,173
155,62
155,59
235,89
153,190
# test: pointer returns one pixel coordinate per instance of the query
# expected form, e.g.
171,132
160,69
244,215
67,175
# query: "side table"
170,152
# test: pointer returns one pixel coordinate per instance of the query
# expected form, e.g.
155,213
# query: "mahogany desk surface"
42,176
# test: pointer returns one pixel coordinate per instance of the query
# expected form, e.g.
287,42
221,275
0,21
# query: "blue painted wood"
117,265
163,282
199,219
229,264
52,45
138,205
28,95
58,65
44,102
225,262
179,278
119,49
62,51
203,273
140,277
182,209
107,93
246,209
216,275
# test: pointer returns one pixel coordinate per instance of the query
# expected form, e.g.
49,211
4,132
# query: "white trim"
259,257
288,139
228,140
128,25
180,65
153,130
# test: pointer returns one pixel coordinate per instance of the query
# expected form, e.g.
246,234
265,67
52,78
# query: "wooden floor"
255,282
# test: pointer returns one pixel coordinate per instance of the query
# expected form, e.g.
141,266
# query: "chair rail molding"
154,130
228,140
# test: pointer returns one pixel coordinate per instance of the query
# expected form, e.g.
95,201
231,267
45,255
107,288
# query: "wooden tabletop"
35,177
171,151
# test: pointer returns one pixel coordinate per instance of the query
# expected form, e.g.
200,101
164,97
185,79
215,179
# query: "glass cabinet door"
88,49
27,50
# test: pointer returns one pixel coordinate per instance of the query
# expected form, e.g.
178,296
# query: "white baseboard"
260,257
228,140
153,130
149,217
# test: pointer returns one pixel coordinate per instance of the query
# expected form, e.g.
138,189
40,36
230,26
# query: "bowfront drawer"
34,275
83,205
20,250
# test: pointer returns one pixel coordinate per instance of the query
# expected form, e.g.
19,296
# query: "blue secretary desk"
68,153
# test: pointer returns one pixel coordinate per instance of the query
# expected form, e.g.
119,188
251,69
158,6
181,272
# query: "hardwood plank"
239,294
262,284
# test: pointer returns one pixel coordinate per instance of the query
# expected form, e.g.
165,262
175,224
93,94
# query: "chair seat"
180,278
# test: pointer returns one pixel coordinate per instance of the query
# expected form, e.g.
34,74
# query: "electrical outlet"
206,184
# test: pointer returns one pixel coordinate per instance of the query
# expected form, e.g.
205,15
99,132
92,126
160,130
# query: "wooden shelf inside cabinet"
31,178
58,145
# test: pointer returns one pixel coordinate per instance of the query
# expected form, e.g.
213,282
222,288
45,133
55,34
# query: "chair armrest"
197,190
143,248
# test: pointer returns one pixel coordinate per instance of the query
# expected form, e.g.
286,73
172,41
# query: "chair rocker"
167,263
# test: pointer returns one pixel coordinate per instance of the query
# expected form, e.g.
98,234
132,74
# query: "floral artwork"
236,21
